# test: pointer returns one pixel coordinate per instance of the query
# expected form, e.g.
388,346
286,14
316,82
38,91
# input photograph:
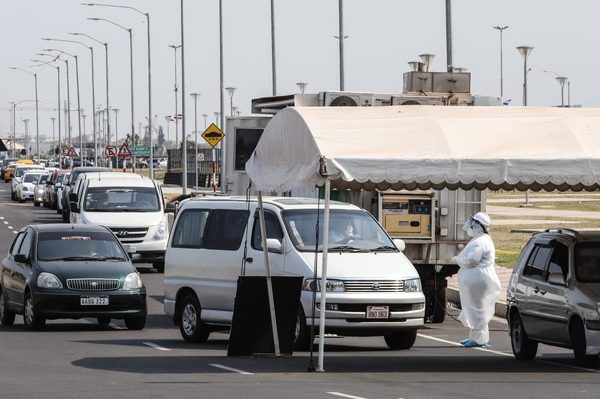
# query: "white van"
373,289
130,205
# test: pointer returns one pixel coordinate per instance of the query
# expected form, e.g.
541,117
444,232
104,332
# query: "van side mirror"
556,279
274,245
21,258
73,197
399,244
170,207
74,207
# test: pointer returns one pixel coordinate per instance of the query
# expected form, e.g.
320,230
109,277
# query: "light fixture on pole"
562,80
37,123
525,51
195,97
150,129
302,86
217,114
231,91
93,98
130,31
426,58
501,29
205,116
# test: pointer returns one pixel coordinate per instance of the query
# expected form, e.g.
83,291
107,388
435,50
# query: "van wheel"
302,335
190,325
159,266
7,317
523,348
577,334
135,323
30,317
401,339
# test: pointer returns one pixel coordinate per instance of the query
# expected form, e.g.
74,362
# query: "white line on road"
344,395
220,366
15,231
9,227
1,217
153,345
459,344
5,222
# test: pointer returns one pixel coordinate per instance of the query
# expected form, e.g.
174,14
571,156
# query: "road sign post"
213,136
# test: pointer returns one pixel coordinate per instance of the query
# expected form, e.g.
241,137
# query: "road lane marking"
9,227
567,365
5,222
15,231
220,366
345,395
153,345
459,344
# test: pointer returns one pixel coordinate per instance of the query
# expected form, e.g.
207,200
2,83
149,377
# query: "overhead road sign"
142,150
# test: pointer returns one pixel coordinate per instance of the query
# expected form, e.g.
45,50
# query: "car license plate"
378,312
94,300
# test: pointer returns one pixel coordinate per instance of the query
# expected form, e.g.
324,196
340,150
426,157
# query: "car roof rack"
562,230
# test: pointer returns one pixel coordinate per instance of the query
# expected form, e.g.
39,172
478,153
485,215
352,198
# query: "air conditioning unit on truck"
430,223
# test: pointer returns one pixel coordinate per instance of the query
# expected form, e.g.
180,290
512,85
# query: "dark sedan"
58,271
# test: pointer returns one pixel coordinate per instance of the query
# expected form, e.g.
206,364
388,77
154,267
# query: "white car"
20,170
26,188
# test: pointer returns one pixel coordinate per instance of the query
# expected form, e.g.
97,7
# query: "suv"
75,172
553,295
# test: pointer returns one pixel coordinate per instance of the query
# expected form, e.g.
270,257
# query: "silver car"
553,295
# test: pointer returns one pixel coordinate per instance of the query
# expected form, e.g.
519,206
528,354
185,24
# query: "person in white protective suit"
478,283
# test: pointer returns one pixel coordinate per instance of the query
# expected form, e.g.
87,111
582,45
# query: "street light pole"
176,116
561,80
205,116
26,122
341,38
183,117
501,29
58,102
231,91
53,119
37,122
273,64
195,97
525,51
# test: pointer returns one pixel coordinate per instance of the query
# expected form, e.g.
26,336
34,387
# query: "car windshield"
31,178
21,171
59,178
121,199
587,262
74,245
350,230
43,179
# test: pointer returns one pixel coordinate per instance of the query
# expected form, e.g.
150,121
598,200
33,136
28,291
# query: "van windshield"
587,262
350,230
121,199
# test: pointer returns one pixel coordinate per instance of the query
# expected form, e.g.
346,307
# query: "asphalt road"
80,359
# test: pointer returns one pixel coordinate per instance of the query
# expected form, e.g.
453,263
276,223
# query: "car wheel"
7,317
302,334
401,339
103,321
135,323
159,266
31,319
523,348
190,325
577,334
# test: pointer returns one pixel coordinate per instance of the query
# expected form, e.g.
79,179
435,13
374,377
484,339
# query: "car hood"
87,269
365,265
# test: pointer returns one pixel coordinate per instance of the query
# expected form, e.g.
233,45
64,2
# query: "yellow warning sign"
213,135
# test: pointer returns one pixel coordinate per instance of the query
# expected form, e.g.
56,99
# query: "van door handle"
249,260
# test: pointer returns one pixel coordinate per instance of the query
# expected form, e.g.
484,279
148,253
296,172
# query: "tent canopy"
422,147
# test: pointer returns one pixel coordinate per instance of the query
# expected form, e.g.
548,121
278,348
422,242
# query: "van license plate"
378,312
94,300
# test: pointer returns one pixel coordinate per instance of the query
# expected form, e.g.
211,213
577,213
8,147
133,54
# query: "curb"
453,296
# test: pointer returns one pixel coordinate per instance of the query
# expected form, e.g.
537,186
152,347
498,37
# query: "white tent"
420,147
430,147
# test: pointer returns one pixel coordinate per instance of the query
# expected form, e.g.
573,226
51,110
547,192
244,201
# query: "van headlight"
162,232
412,285
133,281
310,284
48,280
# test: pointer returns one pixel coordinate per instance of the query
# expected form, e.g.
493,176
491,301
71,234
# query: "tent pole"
324,277
263,234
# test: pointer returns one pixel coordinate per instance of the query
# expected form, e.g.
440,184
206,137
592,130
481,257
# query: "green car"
58,271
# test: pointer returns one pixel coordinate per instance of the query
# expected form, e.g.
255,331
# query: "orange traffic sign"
213,135
124,151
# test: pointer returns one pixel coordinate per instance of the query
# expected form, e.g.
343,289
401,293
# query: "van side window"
536,264
189,231
559,262
226,229
273,229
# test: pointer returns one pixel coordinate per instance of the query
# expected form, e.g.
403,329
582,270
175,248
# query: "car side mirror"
21,258
73,197
274,245
399,244
556,279
74,207
170,207
135,257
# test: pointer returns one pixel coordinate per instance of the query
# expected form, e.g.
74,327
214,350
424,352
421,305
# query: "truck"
430,222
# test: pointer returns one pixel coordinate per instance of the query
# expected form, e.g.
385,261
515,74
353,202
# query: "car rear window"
75,244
